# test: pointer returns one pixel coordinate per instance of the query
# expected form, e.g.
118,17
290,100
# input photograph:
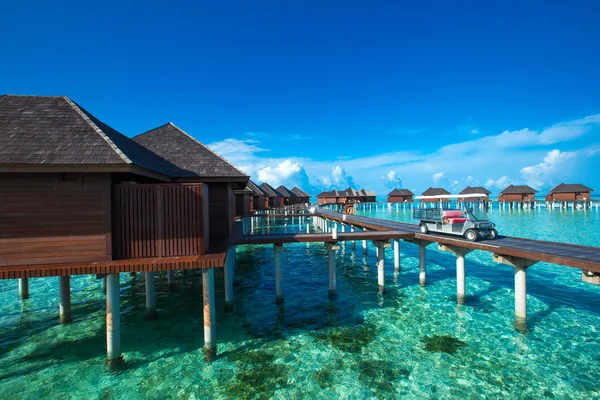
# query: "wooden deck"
582,257
214,259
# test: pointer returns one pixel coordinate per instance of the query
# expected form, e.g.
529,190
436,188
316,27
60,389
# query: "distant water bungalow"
400,196
302,196
517,196
257,197
274,199
471,190
566,192
348,196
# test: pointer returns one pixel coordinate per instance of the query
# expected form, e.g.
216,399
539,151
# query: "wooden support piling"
228,278
210,324
331,249
113,321
460,253
64,295
24,288
278,249
381,246
150,295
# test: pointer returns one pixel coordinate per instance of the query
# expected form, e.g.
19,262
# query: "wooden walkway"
582,257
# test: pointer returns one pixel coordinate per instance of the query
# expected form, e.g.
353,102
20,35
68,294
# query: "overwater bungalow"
368,196
328,197
289,197
400,196
570,192
274,199
434,192
302,196
242,201
476,190
258,198
517,194
78,197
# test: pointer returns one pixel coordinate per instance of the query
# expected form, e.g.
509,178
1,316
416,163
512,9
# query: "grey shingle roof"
56,130
475,190
330,193
518,189
257,191
299,192
401,192
366,192
571,188
435,192
285,192
269,190
188,157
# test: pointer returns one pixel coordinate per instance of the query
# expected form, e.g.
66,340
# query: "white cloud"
237,151
545,174
392,181
498,184
287,173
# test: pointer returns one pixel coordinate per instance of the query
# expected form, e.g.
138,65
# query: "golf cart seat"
453,217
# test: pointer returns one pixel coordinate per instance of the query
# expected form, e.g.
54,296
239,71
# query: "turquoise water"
412,342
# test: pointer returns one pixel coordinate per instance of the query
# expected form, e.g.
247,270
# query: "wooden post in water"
353,241
422,258
228,278
113,321
171,280
397,255
520,265
150,295
331,249
210,324
24,288
64,295
278,248
381,246
460,253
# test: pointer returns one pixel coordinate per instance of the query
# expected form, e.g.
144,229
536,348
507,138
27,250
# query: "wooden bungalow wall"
221,206
159,220
49,218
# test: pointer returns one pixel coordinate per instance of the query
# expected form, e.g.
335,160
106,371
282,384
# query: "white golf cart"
469,224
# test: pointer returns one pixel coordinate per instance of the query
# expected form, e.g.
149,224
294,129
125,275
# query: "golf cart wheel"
492,234
424,229
471,235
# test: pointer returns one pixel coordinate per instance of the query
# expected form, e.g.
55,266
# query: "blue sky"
324,93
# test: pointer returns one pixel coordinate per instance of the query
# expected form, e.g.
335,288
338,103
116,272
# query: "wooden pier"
334,227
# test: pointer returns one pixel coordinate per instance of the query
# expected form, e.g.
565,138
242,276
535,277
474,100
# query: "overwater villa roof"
269,190
435,192
188,156
571,188
299,192
518,189
54,130
366,192
351,192
475,190
400,192
285,192
331,193
255,189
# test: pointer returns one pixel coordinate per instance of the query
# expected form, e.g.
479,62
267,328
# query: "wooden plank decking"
582,257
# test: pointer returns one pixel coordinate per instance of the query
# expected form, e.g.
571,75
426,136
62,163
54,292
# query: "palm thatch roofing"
255,189
54,130
285,192
401,192
571,188
519,189
269,190
189,158
299,192
435,192
475,190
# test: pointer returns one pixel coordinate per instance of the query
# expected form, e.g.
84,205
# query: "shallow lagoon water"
411,342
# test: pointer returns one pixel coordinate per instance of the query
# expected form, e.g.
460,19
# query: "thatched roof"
475,190
401,192
255,189
299,192
54,130
285,192
571,188
435,192
190,157
269,190
519,189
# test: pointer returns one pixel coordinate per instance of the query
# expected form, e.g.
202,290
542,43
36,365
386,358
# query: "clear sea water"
411,342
